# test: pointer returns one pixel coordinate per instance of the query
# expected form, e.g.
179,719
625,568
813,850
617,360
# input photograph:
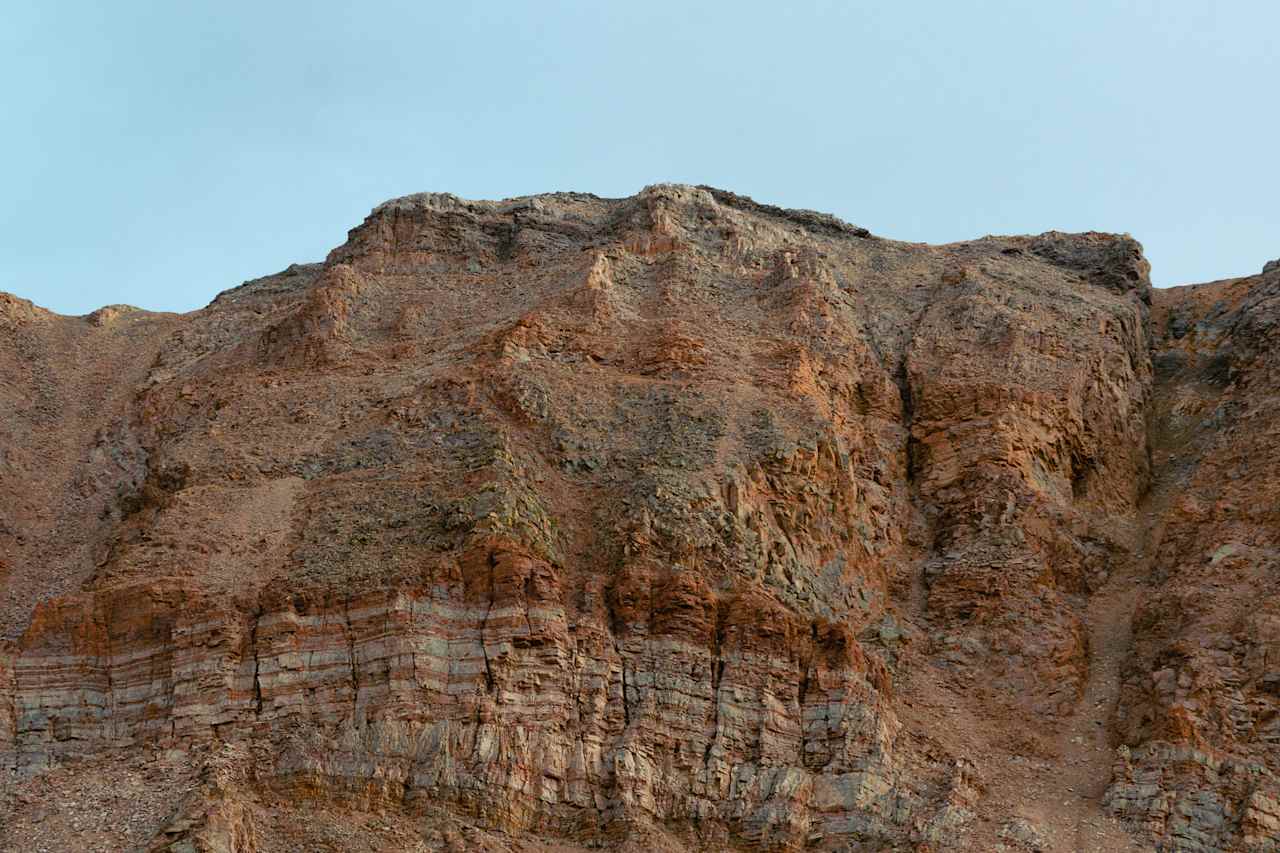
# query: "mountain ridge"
676,521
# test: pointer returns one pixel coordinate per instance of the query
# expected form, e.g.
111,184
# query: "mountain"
673,522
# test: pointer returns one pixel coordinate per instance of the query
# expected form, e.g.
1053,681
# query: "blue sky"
158,153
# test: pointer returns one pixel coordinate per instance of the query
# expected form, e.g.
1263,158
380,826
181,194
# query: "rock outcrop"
661,523
1200,716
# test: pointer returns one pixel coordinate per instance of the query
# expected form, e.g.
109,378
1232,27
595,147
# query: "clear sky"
158,153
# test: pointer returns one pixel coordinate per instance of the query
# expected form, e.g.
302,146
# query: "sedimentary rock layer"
669,522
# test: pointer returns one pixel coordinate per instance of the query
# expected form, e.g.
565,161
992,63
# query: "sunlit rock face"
661,523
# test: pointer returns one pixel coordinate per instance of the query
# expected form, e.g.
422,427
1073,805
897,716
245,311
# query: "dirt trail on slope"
1087,743
1061,800
1078,783
1050,793
1054,801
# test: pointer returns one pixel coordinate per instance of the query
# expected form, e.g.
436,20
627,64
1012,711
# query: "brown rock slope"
1200,717
662,523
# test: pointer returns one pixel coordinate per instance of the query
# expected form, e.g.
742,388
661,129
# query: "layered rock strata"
669,522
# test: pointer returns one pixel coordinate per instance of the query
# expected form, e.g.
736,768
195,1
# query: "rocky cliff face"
1199,718
663,523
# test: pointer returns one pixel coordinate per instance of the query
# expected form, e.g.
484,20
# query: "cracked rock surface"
673,522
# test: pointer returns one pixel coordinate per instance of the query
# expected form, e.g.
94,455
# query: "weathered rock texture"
670,522
1200,715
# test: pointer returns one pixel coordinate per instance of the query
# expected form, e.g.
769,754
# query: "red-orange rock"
676,522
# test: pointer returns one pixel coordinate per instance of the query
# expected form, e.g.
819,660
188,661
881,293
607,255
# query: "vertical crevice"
906,392
351,658
257,664
616,627
528,597
806,664
509,240
489,681
626,699
717,676
908,419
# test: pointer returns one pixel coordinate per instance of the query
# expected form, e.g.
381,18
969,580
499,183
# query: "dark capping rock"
1111,261
821,223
